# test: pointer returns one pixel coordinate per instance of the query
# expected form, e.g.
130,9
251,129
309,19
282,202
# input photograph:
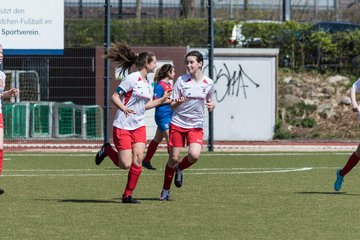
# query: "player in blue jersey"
163,113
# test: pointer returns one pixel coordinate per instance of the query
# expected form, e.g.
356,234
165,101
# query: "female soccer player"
13,92
132,97
163,112
192,93
355,156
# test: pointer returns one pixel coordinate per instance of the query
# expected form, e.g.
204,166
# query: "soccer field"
224,196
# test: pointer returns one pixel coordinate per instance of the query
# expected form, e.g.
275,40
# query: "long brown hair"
162,72
124,57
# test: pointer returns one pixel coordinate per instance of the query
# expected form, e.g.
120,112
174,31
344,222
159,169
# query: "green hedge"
298,48
149,32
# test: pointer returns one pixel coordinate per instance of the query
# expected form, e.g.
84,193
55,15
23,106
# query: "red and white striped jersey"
190,114
137,92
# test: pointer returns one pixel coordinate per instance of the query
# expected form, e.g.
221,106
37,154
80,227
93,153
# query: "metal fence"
301,10
62,97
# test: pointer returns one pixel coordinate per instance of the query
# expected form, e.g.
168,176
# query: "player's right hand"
128,111
180,100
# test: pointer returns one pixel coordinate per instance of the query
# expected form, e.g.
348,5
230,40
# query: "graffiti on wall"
236,80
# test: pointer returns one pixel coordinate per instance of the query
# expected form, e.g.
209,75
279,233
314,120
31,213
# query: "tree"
187,8
138,9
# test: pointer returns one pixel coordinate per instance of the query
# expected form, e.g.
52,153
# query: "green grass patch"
224,196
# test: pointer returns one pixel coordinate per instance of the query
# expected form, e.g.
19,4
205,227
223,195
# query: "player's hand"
355,108
210,106
180,100
167,94
14,92
128,111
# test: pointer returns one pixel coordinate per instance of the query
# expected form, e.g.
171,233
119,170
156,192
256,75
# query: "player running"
355,156
192,93
132,97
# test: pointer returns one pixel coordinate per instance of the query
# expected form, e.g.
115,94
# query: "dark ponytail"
121,54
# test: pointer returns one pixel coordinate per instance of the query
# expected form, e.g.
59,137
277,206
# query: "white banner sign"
32,27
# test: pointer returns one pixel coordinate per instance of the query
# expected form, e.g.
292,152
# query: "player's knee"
173,161
125,166
193,157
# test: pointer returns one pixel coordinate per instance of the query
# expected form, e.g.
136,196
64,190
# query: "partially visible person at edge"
192,93
163,113
13,92
132,97
355,156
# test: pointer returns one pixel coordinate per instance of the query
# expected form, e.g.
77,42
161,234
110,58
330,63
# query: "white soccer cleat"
165,195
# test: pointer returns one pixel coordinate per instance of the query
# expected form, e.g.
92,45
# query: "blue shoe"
339,181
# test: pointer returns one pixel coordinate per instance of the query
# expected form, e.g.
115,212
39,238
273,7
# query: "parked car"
333,27
237,39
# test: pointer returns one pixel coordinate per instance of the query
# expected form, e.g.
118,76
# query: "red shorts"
178,136
124,139
1,121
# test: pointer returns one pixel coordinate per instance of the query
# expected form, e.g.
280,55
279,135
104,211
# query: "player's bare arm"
159,101
355,106
210,105
115,99
13,92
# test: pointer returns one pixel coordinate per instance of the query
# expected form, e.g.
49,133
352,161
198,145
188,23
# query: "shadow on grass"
115,200
79,200
87,201
328,193
145,199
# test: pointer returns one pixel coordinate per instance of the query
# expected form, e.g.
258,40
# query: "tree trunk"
246,7
187,8
161,9
138,9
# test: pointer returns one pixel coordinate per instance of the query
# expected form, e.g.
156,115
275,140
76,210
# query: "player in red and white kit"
13,92
355,156
132,97
192,94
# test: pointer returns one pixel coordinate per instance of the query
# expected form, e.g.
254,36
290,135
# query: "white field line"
214,171
163,154
245,148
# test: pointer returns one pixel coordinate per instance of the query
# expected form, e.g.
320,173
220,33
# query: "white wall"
245,81
245,94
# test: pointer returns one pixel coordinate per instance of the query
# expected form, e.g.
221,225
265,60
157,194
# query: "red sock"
184,164
1,159
113,155
168,177
133,177
151,151
351,163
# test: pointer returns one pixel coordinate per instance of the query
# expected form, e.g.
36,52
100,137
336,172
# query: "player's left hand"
210,106
14,92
